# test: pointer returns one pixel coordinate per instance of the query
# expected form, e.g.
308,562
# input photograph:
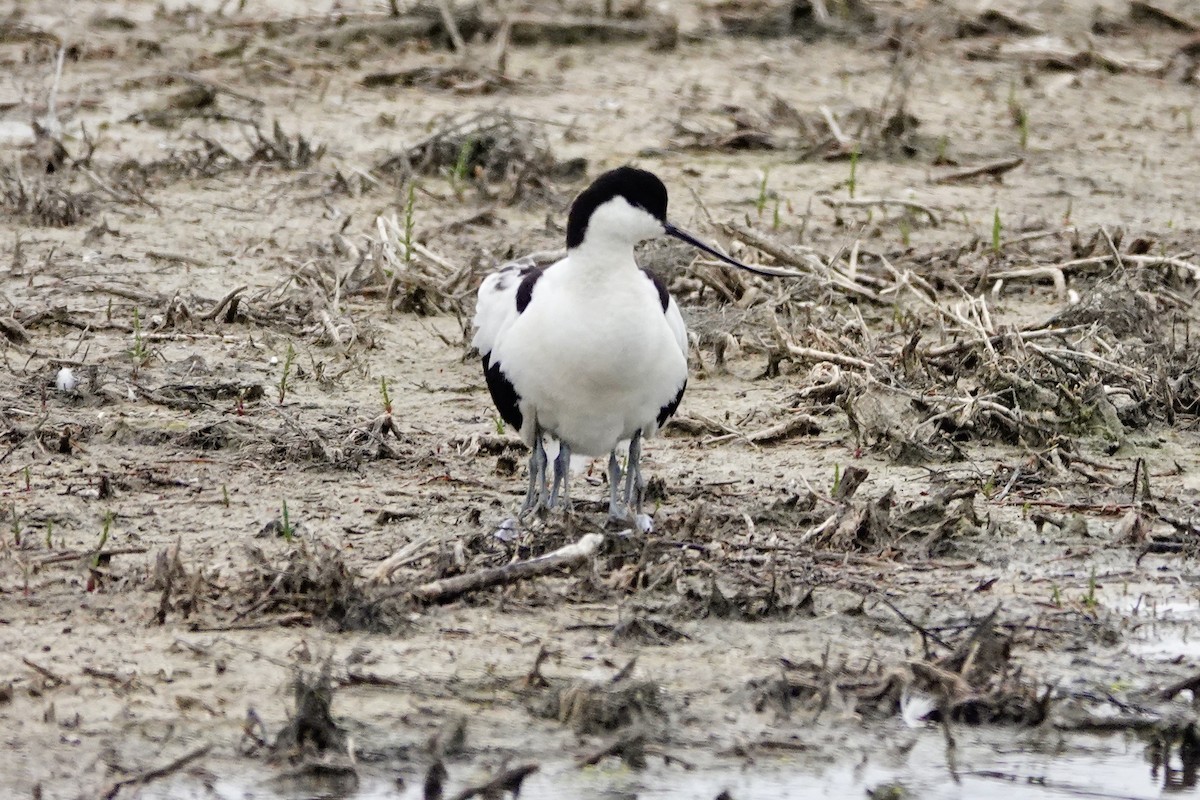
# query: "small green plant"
461,171
108,518
760,202
837,479
224,495
499,423
905,231
28,480
1089,599
852,183
387,398
139,352
410,205
943,147
1056,596
1067,213
997,229
285,379
16,526
775,218
286,528
49,533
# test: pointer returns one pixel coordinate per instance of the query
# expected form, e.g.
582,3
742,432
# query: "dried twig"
157,772
507,781
995,169
571,555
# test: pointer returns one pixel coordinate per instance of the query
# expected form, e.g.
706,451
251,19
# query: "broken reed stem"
571,555
994,169
804,258
158,772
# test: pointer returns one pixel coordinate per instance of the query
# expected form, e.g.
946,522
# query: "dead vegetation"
248,308
974,683
500,156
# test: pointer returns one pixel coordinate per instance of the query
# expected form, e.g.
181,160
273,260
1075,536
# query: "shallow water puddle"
1163,626
989,764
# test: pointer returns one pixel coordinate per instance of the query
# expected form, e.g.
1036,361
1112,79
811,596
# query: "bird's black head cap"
640,189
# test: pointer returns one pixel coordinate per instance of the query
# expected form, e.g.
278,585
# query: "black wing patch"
664,296
504,395
668,411
529,277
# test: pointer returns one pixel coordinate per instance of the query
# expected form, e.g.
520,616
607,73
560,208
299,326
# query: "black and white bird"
590,351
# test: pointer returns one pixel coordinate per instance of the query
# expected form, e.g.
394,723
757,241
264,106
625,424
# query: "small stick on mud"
1191,684
926,634
157,772
61,558
995,169
59,680
507,781
456,37
869,202
630,747
1140,11
165,255
571,555
223,302
216,86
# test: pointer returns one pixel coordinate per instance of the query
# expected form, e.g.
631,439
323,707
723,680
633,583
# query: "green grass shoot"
760,203
104,530
410,205
285,379
285,524
387,398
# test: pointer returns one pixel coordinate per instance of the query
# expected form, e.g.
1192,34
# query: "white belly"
592,373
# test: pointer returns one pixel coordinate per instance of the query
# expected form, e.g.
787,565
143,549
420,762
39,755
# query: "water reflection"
1175,778
991,764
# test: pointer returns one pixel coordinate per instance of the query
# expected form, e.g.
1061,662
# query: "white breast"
593,357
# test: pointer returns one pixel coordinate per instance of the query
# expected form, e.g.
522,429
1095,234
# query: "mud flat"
924,527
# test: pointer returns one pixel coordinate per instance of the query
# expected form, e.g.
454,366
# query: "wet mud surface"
924,525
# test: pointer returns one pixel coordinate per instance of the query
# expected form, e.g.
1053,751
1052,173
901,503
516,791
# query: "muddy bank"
939,487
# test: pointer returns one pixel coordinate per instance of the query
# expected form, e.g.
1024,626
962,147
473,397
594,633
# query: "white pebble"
65,380
274,360
506,531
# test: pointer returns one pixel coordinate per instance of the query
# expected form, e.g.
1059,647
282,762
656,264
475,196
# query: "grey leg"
562,477
535,497
614,480
633,475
